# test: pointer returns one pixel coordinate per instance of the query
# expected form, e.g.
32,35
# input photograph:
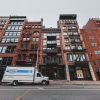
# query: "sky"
50,10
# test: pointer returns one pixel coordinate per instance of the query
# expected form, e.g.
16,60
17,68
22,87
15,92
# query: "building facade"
51,58
76,59
91,37
58,53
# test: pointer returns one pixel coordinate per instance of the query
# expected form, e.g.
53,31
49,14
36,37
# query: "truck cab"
39,78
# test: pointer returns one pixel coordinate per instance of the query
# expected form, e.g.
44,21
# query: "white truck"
15,75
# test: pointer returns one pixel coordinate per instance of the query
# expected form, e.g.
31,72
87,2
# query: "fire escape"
26,51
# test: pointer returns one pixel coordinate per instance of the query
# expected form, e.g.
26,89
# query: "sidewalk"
65,82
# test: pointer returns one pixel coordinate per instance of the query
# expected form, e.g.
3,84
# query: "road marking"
40,88
19,97
44,89
25,87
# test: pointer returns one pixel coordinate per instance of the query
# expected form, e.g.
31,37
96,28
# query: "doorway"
54,72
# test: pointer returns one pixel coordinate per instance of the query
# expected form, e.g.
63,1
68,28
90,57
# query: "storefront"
79,72
53,72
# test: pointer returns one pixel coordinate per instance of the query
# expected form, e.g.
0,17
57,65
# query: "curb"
74,82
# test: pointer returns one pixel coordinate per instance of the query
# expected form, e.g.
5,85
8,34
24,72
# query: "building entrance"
98,75
53,72
79,73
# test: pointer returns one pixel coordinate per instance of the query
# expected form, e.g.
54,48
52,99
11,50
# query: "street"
51,92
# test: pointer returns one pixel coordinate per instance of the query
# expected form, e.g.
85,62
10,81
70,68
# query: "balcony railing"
78,50
24,60
24,48
75,50
21,59
52,63
51,51
80,63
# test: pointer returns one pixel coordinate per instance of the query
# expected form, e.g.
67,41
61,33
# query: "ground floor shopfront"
58,72
2,69
97,71
79,71
53,71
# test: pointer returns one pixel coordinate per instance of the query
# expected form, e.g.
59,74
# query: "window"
10,33
79,47
58,42
44,50
34,47
44,42
7,49
3,40
9,40
6,33
57,35
66,40
0,49
97,52
59,60
44,60
74,27
35,39
92,37
67,47
36,33
5,61
9,27
70,33
52,42
75,33
65,33
14,27
98,62
16,39
4,49
38,75
26,39
93,44
16,23
76,57
64,27
18,33
2,21
44,35
20,27
77,40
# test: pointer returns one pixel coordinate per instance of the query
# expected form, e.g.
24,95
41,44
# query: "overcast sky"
49,10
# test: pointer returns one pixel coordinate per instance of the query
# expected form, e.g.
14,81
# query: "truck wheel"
15,83
44,83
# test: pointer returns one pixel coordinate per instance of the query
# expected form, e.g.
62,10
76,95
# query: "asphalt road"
68,92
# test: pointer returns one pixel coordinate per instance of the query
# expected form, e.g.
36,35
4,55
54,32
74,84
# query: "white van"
17,75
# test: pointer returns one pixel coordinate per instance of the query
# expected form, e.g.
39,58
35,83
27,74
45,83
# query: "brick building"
91,36
57,52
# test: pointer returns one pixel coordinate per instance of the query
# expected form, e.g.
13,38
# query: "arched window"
36,33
